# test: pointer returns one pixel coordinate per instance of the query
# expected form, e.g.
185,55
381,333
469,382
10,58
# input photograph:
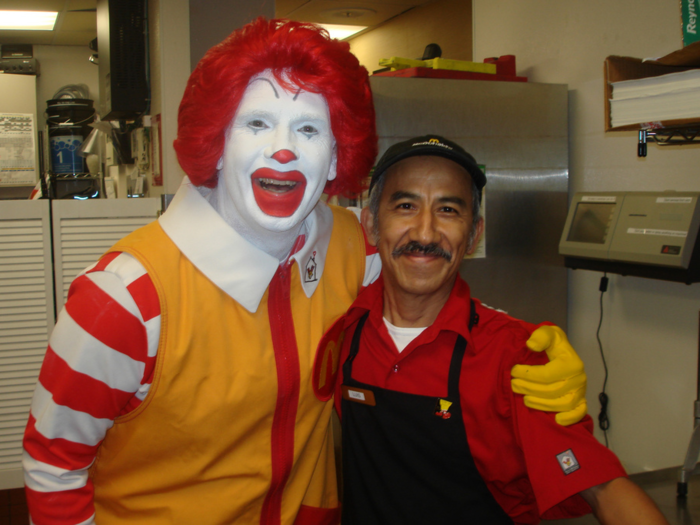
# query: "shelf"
619,68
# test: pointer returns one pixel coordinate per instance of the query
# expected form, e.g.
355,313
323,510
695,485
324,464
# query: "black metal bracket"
667,137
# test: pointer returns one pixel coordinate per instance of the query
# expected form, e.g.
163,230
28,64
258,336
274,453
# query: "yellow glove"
560,385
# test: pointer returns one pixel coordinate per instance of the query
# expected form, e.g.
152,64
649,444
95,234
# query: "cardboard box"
617,68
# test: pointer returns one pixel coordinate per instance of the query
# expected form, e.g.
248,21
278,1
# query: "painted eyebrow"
274,90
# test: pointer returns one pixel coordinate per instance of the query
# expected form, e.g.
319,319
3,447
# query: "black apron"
406,459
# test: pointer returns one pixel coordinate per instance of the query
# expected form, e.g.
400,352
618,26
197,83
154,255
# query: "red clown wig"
298,53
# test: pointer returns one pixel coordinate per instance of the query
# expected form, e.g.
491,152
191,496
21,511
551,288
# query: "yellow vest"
197,450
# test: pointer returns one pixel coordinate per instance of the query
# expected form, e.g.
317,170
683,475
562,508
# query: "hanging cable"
603,421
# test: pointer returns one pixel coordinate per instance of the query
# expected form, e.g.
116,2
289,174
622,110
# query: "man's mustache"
427,249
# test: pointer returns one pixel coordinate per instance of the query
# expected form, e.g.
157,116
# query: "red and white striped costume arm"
98,365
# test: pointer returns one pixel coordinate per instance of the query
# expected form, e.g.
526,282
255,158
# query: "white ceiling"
76,25
365,12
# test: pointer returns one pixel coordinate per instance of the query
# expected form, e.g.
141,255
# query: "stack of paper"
651,99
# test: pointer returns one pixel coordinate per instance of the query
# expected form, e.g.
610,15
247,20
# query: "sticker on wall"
17,149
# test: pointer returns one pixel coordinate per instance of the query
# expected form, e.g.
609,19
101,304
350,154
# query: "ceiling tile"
361,13
80,21
74,38
33,5
72,5
284,7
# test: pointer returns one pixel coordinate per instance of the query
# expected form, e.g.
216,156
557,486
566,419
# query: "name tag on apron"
358,395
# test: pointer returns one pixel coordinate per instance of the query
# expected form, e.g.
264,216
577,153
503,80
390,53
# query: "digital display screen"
591,221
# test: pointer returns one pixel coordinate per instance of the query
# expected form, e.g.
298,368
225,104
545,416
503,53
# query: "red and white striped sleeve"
98,365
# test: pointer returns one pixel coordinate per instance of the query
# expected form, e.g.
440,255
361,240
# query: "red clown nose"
284,156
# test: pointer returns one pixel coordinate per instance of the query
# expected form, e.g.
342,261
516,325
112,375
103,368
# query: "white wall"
650,328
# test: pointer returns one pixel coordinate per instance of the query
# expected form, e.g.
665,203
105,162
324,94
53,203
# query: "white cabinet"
32,289
26,319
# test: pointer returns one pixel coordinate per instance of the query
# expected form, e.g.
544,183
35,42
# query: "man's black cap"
429,145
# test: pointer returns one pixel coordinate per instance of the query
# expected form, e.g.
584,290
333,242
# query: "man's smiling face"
424,225
279,153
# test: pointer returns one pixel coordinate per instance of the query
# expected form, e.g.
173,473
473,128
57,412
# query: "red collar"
453,317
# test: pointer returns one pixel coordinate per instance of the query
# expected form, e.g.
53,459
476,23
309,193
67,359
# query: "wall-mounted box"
647,234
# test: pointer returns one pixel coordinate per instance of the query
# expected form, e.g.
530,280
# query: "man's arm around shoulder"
621,502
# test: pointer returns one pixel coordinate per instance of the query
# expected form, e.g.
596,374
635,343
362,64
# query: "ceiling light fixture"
341,32
28,20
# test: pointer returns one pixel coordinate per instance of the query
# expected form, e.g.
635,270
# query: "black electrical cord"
603,421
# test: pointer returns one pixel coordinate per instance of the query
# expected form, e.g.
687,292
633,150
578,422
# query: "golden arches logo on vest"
325,371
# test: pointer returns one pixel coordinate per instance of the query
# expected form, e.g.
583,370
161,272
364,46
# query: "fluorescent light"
342,32
28,20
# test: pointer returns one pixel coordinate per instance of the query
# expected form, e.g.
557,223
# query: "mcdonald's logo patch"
568,462
325,372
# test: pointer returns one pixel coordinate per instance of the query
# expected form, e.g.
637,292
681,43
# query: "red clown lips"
278,193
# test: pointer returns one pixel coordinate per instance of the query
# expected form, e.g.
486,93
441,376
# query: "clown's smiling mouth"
278,193
276,186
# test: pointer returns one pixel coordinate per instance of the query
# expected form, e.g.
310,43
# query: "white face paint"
279,153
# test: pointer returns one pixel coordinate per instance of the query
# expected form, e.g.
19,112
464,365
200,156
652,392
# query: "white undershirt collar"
402,336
